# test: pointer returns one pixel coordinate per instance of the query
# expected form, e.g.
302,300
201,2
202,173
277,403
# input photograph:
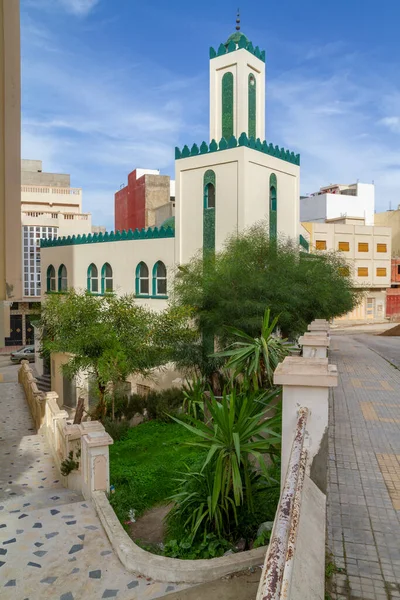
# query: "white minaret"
237,88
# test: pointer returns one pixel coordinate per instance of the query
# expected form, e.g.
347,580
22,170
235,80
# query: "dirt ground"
150,527
242,586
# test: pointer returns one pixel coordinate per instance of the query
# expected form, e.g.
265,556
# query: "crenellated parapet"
242,43
255,144
95,238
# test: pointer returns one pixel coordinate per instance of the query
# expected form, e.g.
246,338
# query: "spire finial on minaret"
238,20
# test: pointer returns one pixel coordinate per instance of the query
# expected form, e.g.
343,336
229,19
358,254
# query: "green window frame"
209,206
106,279
142,280
62,278
93,279
159,280
273,206
51,279
252,99
227,105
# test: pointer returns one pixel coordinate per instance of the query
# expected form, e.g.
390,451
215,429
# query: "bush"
118,430
164,403
209,547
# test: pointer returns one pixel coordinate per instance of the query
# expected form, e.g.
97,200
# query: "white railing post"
95,462
314,346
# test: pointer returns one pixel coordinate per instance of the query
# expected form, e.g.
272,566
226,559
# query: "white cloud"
392,123
79,7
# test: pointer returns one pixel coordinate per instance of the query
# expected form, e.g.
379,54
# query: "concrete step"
44,383
36,500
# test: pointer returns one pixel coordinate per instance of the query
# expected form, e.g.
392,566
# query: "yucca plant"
241,432
256,358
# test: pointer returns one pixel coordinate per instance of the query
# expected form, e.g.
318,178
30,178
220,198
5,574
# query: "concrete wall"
331,206
242,196
391,218
164,212
157,193
10,160
31,174
241,63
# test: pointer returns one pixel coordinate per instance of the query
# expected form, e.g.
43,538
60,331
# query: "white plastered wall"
332,206
241,63
242,196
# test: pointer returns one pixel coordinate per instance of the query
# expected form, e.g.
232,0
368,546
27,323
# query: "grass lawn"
144,465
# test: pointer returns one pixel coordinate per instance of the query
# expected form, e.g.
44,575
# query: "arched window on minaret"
252,106
273,206
227,105
209,211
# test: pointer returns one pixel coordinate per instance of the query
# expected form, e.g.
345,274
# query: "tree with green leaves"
252,272
110,337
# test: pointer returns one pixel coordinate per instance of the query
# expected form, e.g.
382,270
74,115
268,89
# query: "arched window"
159,279
106,279
142,280
209,184
51,279
252,106
93,279
227,105
62,278
273,206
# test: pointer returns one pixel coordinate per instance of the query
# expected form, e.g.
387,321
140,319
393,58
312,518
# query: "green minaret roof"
236,37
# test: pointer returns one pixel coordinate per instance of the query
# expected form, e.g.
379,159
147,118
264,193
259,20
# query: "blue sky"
110,85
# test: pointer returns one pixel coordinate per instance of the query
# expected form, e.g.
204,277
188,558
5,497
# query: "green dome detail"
236,38
170,222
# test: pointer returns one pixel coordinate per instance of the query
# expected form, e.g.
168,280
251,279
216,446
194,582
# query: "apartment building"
339,200
367,249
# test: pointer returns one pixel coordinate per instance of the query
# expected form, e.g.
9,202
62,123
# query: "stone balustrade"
88,441
314,344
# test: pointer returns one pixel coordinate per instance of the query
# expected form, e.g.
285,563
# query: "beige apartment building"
391,218
368,250
10,165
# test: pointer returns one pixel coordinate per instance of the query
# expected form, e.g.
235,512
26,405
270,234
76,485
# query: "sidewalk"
364,474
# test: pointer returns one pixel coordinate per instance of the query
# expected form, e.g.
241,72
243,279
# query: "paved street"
364,470
52,544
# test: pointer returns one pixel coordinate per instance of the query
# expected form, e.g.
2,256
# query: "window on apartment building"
51,279
344,246
381,272
106,278
320,244
159,279
345,271
381,247
362,271
363,247
398,269
93,279
142,280
62,278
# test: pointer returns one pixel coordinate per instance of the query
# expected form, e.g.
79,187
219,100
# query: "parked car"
27,353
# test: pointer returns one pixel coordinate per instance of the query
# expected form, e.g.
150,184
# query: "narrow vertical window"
227,105
51,279
273,206
142,280
93,279
62,278
159,279
106,278
252,106
209,211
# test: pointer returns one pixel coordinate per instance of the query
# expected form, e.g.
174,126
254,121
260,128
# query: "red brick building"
393,293
137,204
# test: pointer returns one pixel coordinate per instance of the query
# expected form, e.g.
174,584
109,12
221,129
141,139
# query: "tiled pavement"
52,544
364,474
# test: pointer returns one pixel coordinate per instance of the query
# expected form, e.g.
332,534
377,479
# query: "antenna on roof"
238,20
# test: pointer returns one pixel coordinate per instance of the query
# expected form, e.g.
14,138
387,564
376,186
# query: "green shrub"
164,403
118,430
210,546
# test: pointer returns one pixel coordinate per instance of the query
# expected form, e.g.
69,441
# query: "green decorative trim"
51,277
208,213
252,97
90,277
273,206
104,277
154,280
227,107
237,43
304,243
137,280
61,278
96,238
232,142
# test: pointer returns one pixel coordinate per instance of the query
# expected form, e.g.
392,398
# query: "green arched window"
106,278
62,278
273,206
252,92
51,279
93,279
227,105
142,280
209,210
159,279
